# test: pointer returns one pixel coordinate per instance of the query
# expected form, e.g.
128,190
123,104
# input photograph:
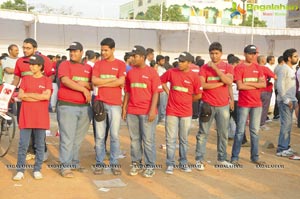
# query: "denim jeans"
73,123
142,134
177,126
114,122
255,115
25,135
163,98
286,122
221,115
265,99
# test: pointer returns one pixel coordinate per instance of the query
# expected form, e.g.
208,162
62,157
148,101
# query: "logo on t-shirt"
41,86
86,71
186,81
145,77
255,71
115,69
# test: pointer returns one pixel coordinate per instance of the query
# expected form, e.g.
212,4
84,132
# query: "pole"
189,38
252,27
161,10
244,16
35,24
26,5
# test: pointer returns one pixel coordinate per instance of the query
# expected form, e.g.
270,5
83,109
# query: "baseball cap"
35,60
250,49
139,50
75,46
205,112
159,57
185,56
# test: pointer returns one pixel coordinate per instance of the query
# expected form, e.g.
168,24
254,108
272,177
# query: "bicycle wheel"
7,134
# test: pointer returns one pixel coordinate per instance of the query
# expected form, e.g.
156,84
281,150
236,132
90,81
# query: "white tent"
54,33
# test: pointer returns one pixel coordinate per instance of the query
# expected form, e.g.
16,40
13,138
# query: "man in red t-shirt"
250,79
21,70
215,77
73,110
142,87
184,89
109,76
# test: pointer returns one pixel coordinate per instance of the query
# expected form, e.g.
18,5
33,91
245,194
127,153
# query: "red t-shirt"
35,114
194,68
22,69
217,96
268,75
109,69
76,72
183,86
252,73
141,84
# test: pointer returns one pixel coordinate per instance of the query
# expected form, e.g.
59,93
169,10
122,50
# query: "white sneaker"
186,168
285,153
19,176
170,170
225,163
265,128
37,175
291,150
199,165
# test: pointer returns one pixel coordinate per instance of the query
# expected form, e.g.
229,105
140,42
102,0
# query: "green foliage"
15,5
257,22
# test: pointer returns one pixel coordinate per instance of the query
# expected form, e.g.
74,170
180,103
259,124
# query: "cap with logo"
205,112
139,50
250,49
185,56
35,60
75,46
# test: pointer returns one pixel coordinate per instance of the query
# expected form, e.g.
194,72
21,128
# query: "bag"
99,111
205,112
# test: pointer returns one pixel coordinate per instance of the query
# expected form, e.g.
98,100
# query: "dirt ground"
248,182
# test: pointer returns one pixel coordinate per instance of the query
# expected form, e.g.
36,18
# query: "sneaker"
134,169
200,165
37,175
116,171
259,162
268,120
67,173
225,163
264,128
285,153
236,163
186,168
45,156
149,173
30,156
291,150
170,170
19,176
277,117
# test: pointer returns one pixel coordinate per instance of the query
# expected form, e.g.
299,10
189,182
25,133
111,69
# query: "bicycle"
7,132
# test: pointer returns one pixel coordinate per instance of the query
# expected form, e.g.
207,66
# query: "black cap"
185,56
139,50
75,46
35,60
159,57
250,49
205,112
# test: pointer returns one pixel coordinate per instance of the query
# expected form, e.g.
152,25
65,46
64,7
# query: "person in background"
149,56
276,115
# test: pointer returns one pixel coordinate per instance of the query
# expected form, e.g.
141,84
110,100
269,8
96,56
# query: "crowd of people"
144,91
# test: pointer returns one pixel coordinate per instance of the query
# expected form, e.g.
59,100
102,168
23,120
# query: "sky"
88,8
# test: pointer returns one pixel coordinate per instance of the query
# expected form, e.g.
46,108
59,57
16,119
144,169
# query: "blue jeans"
142,134
177,126
221,115
255,115
163,98
265,99
114,122
39,140
73,123
286,121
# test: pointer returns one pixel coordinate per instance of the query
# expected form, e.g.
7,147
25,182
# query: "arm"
165,88
35,96
260,84
74,86
225,78
115,83
100,81
281,86
154,101
9,70
16,80
197,97
207,86
87,85
231,98
125,104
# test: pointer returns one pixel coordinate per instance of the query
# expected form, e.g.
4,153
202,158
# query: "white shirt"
8,62
298,77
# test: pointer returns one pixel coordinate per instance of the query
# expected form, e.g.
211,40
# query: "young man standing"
142,89
215,77
9,63
250,79
287,101
73,110
163,97
184,89
109,76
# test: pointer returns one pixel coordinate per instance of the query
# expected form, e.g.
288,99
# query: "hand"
231,105
87,95
290,105
124,114
151,116
211,64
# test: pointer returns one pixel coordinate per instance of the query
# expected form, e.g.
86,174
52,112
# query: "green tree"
257,22
16,5
174,14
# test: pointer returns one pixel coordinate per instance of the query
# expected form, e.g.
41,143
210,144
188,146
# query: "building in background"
293,16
